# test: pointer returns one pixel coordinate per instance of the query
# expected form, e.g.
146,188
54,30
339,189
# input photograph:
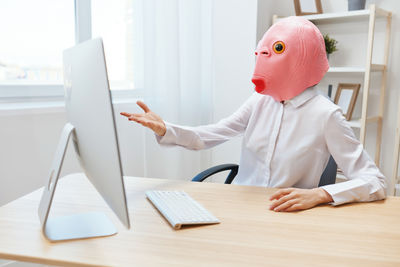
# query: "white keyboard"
180,209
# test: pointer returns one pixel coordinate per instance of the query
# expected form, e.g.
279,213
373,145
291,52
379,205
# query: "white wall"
29,138
27,143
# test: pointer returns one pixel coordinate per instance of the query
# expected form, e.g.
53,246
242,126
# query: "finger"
134,115
137,119
280,201
281,192
145,124
295,207
286,205
126,114
142,121
143,106
133,119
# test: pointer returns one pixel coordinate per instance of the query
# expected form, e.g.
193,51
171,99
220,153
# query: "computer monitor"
92,128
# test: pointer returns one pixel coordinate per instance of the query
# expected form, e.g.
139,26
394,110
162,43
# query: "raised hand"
148,119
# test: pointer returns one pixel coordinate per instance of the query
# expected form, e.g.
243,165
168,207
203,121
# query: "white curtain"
174,49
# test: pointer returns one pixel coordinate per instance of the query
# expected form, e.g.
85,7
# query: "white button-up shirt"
289,144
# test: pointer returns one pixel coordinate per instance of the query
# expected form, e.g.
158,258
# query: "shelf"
346,70
340,178
378,67
343,16
338,16
374,119
360,70
355,123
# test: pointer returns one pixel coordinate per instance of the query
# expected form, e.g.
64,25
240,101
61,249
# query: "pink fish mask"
290,58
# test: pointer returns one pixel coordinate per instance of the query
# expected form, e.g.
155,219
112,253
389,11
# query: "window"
113,22
37,32
34,34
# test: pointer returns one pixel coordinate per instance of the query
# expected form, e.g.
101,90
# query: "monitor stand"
78,226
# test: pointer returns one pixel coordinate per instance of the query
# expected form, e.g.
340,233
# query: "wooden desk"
364,234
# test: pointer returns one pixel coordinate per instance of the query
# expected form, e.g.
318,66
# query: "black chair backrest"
234,168
327,177
329,174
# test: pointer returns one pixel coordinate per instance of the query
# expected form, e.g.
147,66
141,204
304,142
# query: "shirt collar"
302,98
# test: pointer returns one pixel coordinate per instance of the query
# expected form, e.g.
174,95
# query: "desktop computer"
91,127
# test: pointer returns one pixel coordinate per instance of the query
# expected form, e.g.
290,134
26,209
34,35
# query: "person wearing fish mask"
289,130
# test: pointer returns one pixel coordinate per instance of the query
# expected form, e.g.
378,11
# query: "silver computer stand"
77,226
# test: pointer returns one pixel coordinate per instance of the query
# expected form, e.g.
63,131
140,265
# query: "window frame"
16,92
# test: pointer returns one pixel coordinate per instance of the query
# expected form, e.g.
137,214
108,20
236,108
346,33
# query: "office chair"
327,177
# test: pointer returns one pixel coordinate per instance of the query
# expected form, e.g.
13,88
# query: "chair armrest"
216,169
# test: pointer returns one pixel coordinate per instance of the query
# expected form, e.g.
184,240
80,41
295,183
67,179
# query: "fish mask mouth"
260,84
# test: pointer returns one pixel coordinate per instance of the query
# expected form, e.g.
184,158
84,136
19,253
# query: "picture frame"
346,97
307,7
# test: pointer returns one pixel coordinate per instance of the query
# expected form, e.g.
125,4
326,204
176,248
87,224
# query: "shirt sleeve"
207,136
366,182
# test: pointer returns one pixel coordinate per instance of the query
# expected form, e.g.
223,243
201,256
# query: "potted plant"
330,45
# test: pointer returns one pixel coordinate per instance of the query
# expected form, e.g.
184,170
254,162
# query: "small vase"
356,4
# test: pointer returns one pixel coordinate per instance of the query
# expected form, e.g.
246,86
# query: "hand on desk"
148,119
292,199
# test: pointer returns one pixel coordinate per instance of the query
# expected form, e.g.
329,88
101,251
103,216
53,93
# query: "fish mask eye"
279,47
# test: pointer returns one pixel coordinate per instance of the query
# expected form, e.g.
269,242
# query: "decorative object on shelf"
356,4
330,91
346,96
330,45
307,7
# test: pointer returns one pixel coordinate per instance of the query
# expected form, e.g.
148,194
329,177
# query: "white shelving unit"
369,15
